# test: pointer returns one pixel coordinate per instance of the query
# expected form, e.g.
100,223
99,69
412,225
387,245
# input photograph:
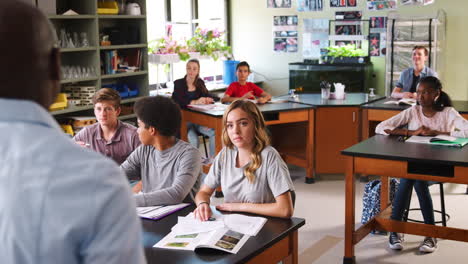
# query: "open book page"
187,241
158,212
189,224
209,107
221,239
248,225
439,140
404,101
225,240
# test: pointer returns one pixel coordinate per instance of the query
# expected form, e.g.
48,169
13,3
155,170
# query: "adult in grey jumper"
169,168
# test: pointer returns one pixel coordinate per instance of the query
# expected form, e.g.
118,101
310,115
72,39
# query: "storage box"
60,102
108,8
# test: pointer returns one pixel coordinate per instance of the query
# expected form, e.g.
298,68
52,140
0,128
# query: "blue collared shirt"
406,77
59,202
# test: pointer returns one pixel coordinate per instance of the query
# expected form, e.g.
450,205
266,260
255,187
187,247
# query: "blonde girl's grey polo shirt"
272,178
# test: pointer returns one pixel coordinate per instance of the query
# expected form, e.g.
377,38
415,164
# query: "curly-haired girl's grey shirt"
271,179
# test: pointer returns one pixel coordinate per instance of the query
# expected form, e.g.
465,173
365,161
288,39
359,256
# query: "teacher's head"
30,68
419,56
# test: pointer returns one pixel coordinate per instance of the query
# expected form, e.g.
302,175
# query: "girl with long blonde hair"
251,173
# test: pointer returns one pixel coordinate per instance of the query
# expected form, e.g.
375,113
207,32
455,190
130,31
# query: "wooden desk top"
388,147
460,106
265,108
352,99
273,231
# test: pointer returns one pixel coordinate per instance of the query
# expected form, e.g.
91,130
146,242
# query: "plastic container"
108,8
229,75
60,102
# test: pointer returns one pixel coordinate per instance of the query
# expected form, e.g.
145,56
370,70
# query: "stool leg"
442,204
204,145
406,213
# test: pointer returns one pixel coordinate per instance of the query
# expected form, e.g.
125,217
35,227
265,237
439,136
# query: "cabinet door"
337,128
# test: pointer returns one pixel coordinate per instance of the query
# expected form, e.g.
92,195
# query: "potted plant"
346,54
210,42
167,50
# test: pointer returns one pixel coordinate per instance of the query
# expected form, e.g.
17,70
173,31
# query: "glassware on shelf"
371,92
84,39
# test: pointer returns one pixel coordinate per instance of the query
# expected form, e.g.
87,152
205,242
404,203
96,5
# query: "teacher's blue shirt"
59,202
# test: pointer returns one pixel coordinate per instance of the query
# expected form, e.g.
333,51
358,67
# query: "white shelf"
346,37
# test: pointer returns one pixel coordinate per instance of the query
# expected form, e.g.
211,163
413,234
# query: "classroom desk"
278,240
290,124
375,112
337,126
388,157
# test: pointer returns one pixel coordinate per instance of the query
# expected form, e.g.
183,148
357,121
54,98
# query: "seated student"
192,90
251,173
169,168
109,136
432,116
409,78
243,89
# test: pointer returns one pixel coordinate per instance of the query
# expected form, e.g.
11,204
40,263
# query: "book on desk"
222,232
158,212
443,140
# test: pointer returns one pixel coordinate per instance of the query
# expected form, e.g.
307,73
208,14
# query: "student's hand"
408,95
418,132
137,187
262,100
248,95
229,207
81,143
203,212
206,100
429,132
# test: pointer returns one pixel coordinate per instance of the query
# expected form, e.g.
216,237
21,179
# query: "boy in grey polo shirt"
169,168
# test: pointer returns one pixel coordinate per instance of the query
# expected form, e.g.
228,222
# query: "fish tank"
305,77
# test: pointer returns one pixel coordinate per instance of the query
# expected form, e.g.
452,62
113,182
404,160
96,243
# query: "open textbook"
209,107
225,232
404,101
439,140
158,212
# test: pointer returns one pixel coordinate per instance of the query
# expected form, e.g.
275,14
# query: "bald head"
30,64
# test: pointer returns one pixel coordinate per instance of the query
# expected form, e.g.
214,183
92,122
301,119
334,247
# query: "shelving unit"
403,33
124,28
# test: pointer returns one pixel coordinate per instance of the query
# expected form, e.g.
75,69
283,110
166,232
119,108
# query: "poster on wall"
348,15
285,33
309,5
279,3
315,37
343,3
378,30
375,5
374,42
417,2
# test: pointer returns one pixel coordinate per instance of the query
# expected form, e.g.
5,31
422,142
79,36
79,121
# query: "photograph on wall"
347,30
374,42
348,15
315,37
309,5
378,22
381,5
343,3
285,33
383,44
279,3
416,2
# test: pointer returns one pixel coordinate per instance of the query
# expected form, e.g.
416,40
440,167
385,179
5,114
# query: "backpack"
371,198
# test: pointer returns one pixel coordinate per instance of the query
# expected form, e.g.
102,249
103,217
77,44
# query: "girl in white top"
251,173
433,116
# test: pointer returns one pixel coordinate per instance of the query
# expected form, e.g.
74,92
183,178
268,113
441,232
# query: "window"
185,16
